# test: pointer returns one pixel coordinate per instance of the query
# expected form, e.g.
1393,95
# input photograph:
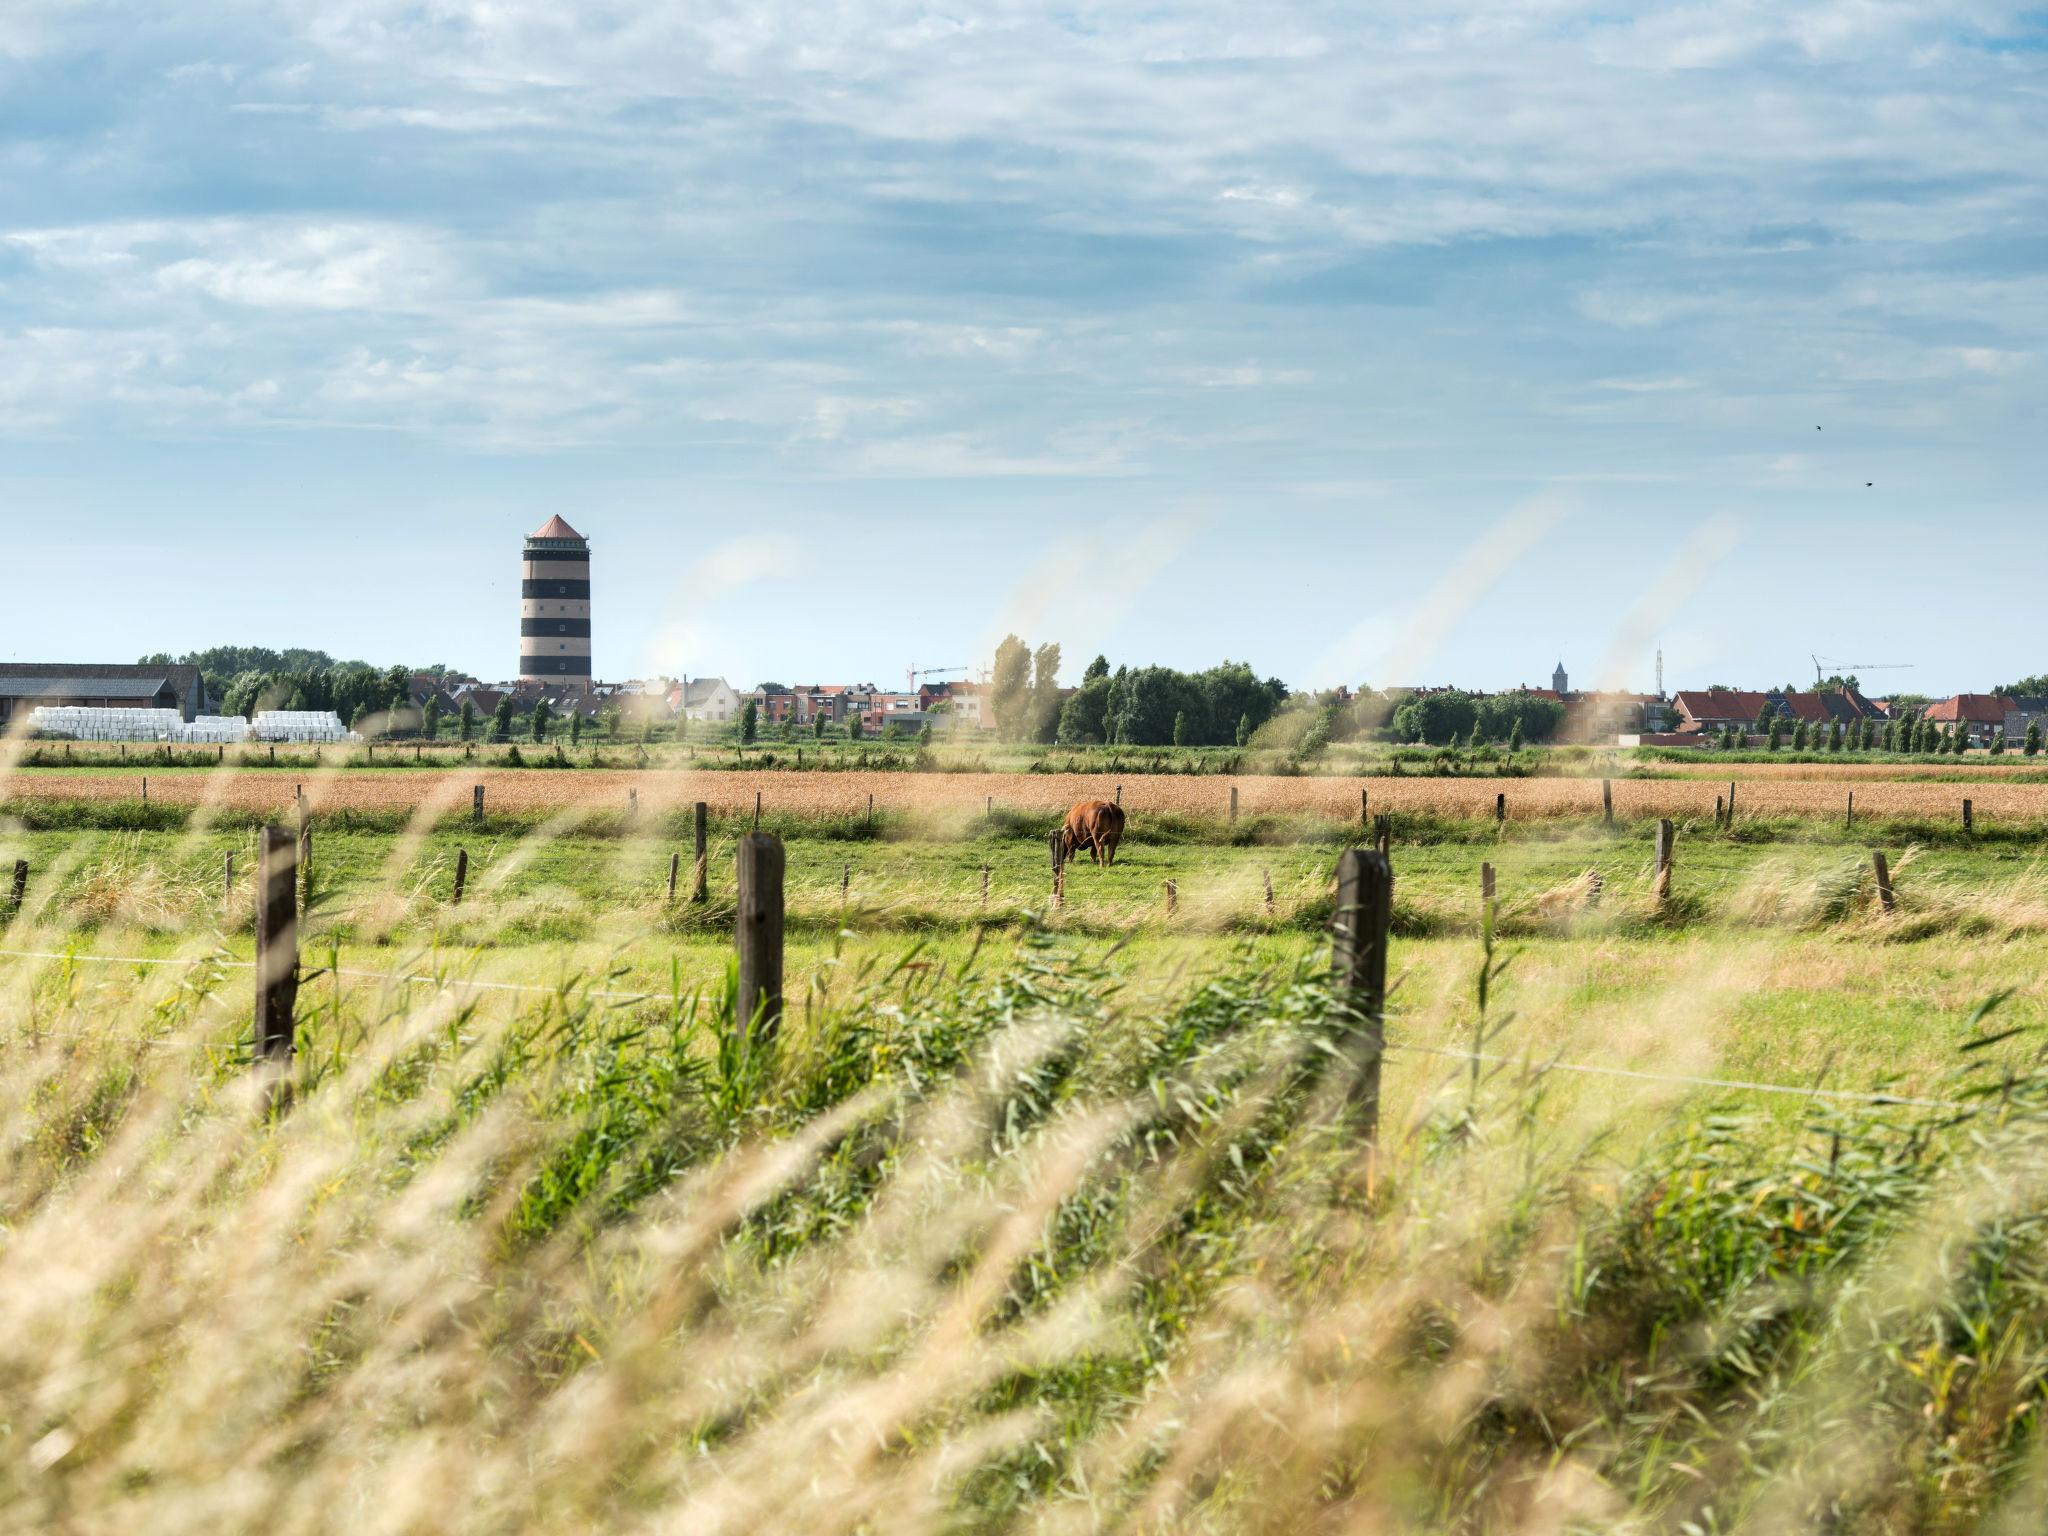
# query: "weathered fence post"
19,891
675,869
277,948
701,873
1059,871
461,874
632,803
1233,805
305,856
1607,801
1717,810
1849,815
476,804
1383,834
1365,807
1966,816
759,933
1358,954
1486,884
1500,808
1883,871
871,810
1267,875
1172,897
1731,805
1662,886
984,887
145,789
757,810
845,889
1119,794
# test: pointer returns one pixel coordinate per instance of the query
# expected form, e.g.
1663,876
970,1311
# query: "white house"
705,698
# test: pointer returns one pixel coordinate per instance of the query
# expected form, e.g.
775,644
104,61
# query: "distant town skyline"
1363,345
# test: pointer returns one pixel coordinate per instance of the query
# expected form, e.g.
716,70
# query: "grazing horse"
1098,826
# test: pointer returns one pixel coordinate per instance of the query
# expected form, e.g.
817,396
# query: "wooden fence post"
1883,871
1500,808
1486,884
1607,801
1119,794
701,873
633,802
1662,886
759,933
1717,810
476,804
757,810
675,869
145,789
1365,807
277,947
984,887
19,892
1849,815
1383,834
871,810
1233,805
461,874
1267,875
1358,954
845,889
1172,897
1059,871
1967,825
1731,805
305,857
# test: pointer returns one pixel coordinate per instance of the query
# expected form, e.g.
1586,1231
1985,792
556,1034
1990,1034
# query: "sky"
1390,344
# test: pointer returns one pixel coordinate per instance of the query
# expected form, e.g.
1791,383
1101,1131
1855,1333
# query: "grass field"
1031,1218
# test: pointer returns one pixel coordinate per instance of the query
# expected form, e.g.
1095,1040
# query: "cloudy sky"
1390,343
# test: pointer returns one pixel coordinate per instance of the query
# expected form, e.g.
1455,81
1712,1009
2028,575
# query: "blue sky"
1388,344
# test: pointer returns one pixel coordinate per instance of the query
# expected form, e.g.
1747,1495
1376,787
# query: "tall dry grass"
997,1251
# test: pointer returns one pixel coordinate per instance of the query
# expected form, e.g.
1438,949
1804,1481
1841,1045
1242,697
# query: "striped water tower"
554,606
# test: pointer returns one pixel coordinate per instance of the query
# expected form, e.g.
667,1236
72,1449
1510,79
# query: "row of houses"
1982,717
714,701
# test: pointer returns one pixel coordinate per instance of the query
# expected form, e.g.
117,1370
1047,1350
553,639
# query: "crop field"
1722,1210
955,799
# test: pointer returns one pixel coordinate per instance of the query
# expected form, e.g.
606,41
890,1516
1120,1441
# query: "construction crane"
1845,668
915,672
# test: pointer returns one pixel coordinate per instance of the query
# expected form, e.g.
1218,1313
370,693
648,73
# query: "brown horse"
1098,826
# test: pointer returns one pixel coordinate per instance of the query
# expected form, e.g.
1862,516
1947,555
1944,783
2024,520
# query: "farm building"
29,685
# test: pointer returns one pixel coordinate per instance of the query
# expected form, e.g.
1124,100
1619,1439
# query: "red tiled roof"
1975,708
1721,704
554,528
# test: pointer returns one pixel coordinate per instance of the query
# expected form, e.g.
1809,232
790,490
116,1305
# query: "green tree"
1775,734
501,720
1764,717
394,712
750,723
575,727
1010,689
924,735
1515,737
2033,743
1045,692
855,727
1099,667
465,722
541,715
1477,739
1835,737
611,716
1997,743
818,725
1180,729
430,718
1799,737
1244,729
1962,738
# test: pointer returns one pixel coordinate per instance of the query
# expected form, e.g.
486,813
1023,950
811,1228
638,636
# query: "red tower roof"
554,528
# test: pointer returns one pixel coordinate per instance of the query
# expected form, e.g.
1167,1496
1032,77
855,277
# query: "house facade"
1980,716
705,698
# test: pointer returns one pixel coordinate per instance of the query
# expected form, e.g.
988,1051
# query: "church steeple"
1559,681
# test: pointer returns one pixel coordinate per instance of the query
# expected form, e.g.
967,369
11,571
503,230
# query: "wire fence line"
1588,1069
410,978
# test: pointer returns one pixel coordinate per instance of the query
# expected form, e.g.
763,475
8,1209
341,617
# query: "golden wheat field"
572,792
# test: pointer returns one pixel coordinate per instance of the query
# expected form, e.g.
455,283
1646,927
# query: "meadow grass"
1027,1219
